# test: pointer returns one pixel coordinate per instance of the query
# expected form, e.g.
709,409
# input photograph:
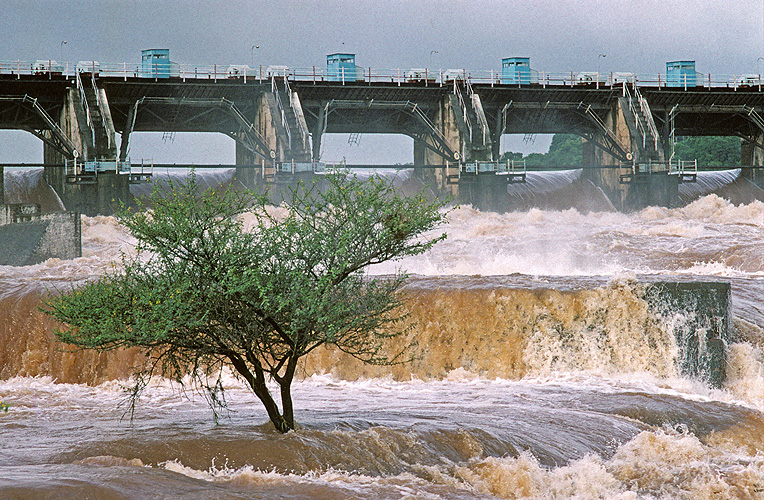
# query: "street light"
757,65
598,69
252,50
430,66
63,42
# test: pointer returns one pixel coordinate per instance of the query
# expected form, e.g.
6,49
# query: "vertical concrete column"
485,191
246,163
2,185
590,164
608,179
107,195
267,123
752,154
318,131
270,125
110,190
588,153
644,189
106,126
54,173
446,124
73,123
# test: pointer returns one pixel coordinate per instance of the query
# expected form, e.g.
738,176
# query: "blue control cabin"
681,74
342,68
517,70
155,63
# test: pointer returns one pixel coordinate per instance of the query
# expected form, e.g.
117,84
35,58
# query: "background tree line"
565,150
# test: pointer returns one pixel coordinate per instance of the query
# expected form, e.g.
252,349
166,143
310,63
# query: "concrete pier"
28,237
450,119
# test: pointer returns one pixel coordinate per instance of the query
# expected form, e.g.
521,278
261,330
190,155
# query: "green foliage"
564,150
509,155
710,151
4,406
202,292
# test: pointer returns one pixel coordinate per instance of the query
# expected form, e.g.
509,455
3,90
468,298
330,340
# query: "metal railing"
754,116
92,168
672,167
52,68
683,167
101,105
294,102
645,109
463,107
510,167
282,111
640,127
84,101
297,167
477,106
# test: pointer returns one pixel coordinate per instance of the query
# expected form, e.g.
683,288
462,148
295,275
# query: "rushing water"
540,373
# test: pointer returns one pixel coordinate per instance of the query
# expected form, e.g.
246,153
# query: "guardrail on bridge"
398,76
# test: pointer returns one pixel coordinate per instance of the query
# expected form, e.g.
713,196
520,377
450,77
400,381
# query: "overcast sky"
722,36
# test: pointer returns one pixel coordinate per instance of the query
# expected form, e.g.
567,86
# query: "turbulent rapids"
540,371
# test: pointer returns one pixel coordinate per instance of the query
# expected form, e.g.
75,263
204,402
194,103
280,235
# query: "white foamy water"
543,387
710,236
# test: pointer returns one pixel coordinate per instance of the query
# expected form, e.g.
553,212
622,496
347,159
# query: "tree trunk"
286,390
257,383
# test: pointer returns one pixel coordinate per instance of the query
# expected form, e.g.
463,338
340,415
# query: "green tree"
711,151
564,150
509,155
202,293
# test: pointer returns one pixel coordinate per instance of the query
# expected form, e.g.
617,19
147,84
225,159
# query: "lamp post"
252,50
598,69
63,42
757,65
430,66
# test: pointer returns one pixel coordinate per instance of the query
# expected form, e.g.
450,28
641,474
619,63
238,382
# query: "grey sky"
723,37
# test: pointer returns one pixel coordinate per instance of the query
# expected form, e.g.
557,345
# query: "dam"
278,115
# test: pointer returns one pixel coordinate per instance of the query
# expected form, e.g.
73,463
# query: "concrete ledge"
19,212
697,313
28,238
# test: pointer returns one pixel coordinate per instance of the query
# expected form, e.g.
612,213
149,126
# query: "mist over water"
540,372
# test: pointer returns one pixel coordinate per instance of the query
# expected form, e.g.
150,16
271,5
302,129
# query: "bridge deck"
713,110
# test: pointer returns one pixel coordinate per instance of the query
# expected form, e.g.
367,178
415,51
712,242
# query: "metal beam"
431,136
123,147
60,141
246,134
611,144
